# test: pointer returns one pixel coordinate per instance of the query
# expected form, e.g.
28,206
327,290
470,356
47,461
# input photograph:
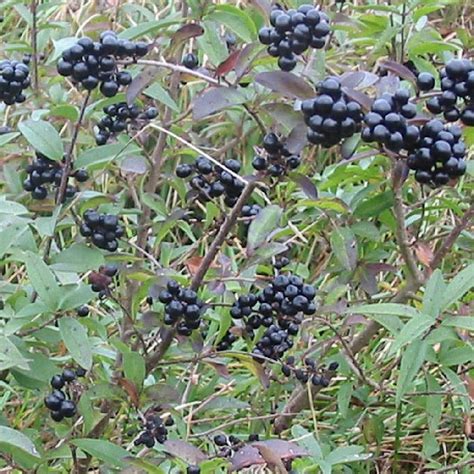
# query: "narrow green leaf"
413,329
260,228
14,438
461,322
387,308
347,454
238,21
43,137
43,280
344,246
458,286
106,451
76,340
434,294
411,362
134,368
77,258
158,92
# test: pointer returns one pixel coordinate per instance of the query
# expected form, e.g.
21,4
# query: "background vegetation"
389,258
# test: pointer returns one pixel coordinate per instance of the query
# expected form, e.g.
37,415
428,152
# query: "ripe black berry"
277,159
470,446
102,229
68,408
190,61
94,64
293,32
386,123
221,440
68,375
14,78
438,156
331,116
82,311
193,470
425,81
212,181
182,306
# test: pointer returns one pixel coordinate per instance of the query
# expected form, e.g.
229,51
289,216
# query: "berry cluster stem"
69,156
206,262
34,44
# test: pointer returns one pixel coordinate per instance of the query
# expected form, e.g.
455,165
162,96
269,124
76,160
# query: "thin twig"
34,43
204,267
69,156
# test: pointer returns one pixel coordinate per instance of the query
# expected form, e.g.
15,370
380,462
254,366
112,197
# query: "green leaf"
413,329
461,322
434,294
106,451
8,137
347,454
43,137
67,111
10,235
77,258
211,43
375,205
260,228
158,92
387,308
434,403
98,157
43,280
236,20
76,340
411,362
134,368
458,286
344,246
329,204
16,439
10,356
146,28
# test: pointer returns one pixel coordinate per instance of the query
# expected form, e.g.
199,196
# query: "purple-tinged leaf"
215,99
398,69
286,84
306,185
228,64
363,99
140,82
358,79
388,84
296,140
185,451
186,32
245,59
283,114
263,5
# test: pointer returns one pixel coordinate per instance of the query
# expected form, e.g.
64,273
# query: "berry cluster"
213,181
439,154
293,32
387,122
154,430
249,212
457,83
278,158
91,63
103,229
331,116
226,342
44,171
182,306
120,117
100,282
310,371
279,307
14,79
281,262
61,407
226,444
190,61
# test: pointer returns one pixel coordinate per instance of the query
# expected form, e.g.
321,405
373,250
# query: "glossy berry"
190,61
193,470
94,64
103,230
425,81
82,311
470,446
221,440
57,382
331,116
292,32
69,375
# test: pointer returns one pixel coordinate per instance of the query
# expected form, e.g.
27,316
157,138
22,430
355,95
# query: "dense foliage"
210,263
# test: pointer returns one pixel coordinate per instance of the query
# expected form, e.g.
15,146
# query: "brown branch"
402,235
34,43
69,155
450,240
299,399
168,334
452,468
